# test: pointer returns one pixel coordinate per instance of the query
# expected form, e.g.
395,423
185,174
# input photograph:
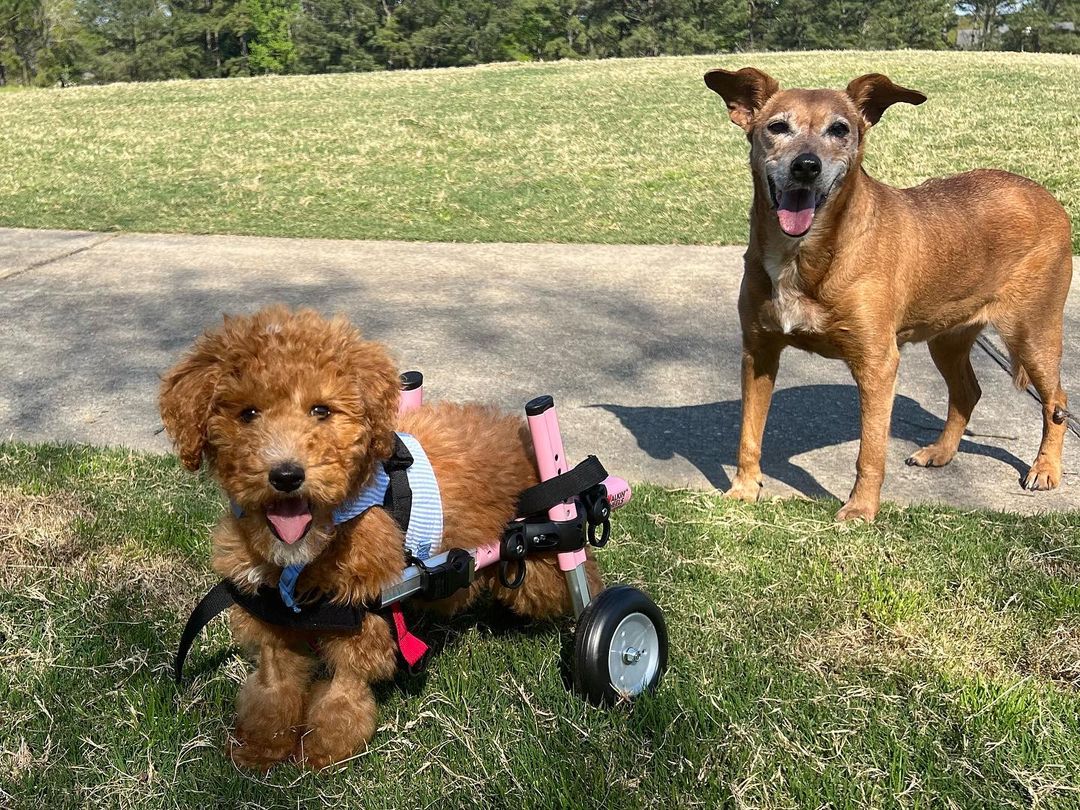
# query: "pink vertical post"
412,391
551,461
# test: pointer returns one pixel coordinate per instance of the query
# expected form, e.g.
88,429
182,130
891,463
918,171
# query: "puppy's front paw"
255,754
856,510
1044,474
744,488
340,723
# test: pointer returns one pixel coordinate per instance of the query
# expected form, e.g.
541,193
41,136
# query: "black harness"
323,615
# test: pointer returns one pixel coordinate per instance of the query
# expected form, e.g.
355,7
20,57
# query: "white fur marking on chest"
794,311
300,553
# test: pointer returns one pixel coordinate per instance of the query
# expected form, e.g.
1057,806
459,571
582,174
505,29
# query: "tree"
985,15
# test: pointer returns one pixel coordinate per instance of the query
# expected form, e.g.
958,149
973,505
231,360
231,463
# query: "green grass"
929,660
614,151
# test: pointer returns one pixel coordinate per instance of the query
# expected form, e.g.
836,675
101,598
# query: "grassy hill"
614,151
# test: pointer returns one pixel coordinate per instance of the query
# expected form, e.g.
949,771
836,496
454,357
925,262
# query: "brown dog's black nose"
287,477
806,167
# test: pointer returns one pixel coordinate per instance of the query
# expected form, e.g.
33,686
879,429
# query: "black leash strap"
214,603
545,495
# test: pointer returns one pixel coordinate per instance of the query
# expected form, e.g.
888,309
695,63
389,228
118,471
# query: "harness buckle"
448,577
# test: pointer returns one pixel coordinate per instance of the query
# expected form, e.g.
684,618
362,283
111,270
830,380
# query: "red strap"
412,648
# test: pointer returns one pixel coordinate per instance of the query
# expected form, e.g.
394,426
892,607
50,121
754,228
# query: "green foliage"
88,41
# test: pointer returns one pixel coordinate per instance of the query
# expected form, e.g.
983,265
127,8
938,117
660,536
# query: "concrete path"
639,346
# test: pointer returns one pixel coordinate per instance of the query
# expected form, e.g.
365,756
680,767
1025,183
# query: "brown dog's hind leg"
1040,355
1032,331
952,355
270,708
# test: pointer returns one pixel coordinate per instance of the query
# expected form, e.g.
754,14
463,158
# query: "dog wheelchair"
620,645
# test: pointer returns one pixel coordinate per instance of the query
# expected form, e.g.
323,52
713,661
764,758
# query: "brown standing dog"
847,267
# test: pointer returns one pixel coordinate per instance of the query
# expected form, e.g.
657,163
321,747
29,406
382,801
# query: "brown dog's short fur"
244,400
878,266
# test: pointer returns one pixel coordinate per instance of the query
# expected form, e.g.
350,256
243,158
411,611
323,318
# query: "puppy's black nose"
806,167
287,477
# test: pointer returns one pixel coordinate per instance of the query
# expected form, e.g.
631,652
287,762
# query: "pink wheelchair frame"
619,628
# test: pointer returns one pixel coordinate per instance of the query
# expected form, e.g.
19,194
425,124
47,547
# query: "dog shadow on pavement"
801,419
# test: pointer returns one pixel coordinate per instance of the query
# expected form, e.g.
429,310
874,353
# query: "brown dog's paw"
1043,474
853,510
744,488
930,456
261,755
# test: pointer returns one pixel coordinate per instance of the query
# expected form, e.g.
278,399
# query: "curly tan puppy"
293,413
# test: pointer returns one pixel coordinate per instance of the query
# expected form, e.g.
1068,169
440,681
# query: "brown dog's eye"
321,411
779,128
248,415
839,130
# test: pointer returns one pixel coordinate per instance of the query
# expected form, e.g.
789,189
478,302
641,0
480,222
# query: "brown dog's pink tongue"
289,518
796,211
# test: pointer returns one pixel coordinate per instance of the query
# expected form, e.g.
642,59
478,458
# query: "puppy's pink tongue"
289,519
796,211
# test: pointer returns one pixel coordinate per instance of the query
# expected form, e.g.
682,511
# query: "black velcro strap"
545,495
219,599
399,493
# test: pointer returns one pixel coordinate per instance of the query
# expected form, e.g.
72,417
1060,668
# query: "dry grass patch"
38,534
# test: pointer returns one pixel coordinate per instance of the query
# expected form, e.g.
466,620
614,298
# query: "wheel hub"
632,658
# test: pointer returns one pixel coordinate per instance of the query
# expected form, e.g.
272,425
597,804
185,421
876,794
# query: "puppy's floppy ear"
376,379
874,93
745,92
187,395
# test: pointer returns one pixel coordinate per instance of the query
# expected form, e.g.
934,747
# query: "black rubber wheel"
620,646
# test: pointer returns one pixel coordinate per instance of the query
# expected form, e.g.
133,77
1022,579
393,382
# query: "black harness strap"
266,605
219,599
545,495
399,494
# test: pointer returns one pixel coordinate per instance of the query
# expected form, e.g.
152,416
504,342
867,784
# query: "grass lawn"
929,660
616,151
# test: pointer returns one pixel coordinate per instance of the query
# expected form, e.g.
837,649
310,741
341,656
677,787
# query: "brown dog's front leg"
760,362
875,375
342,716
270,706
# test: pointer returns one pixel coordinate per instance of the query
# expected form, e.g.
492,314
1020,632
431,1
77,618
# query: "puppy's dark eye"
779,128
839,130
320,411
248,415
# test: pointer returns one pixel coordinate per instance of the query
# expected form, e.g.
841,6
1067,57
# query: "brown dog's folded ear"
744,91
874,93
186,397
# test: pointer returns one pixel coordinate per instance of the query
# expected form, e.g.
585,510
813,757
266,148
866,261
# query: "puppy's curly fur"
244,400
